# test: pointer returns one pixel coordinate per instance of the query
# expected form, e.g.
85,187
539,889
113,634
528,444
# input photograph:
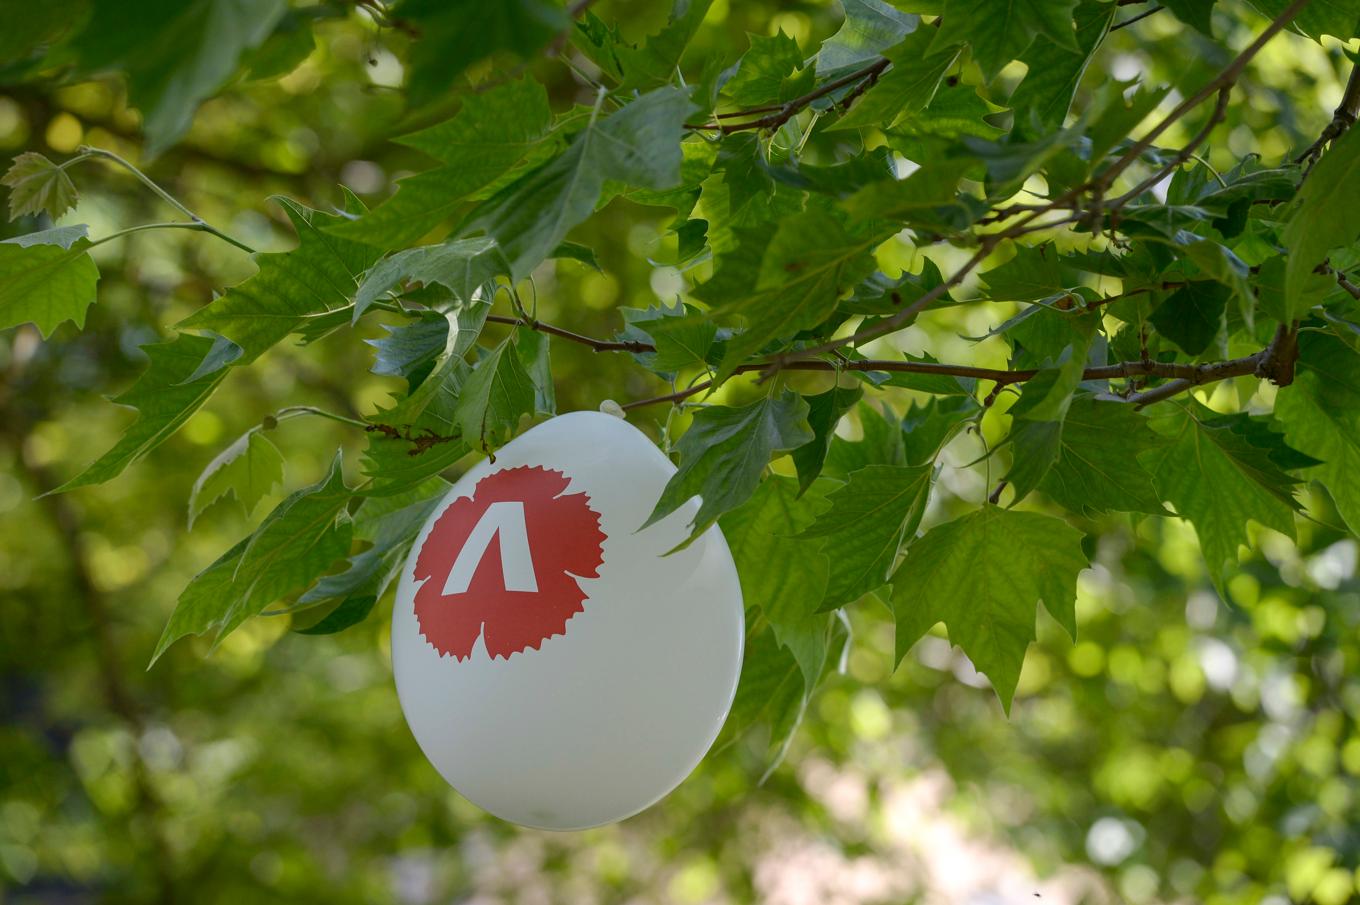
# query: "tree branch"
596,345
1267,363
1343,118
776,116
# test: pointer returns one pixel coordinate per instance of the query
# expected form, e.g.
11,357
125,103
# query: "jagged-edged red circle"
565,543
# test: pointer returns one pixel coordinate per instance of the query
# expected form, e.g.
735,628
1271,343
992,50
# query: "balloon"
556,666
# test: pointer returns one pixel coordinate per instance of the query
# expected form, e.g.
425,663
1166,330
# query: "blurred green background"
1185,749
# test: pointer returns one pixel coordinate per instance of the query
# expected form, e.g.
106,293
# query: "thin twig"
1184,154
777,116
1343,118
597,345
1138,18
1190,374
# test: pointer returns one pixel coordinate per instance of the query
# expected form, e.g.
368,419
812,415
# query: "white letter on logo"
506,521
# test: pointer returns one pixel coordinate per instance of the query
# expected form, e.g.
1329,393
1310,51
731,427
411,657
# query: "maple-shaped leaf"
36,184
788,280
176,53
825,411
765,70
872,516
248,469
1097,467
1320,411
654,61
296,542
291,288
783,575
870,27
983,575
390,525
462,266
906,88
562,540
638,145
173,387
725,451
46,278
492,133
1326,216
1000,30
1218,481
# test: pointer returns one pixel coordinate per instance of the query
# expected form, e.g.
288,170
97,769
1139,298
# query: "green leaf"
725,451
1338,18
871,518
764,71
165,396
1192,316
882,443
806,265
390,525
782,575
462,266
1053,72
423,436
1195,13
1327,216
928,426
29,26
825,411
494,396
248,469
291,288
970,575
772,690
38,185
534,353
682,342
655,62
927,197
46,278
1320,412
455,35
956,111
411,350
907,88
293,545
176,54
1218,481
1032,274
1097,468
639,146
1227,268
492,133
870,27
1000,30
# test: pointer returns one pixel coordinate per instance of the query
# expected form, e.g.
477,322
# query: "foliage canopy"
1150,311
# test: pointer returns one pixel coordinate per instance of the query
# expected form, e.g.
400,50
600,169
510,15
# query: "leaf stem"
87,152
293,411
176,224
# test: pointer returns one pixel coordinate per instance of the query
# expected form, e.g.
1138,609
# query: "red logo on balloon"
503,564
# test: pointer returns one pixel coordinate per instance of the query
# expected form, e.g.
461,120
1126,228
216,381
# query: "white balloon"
555,666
